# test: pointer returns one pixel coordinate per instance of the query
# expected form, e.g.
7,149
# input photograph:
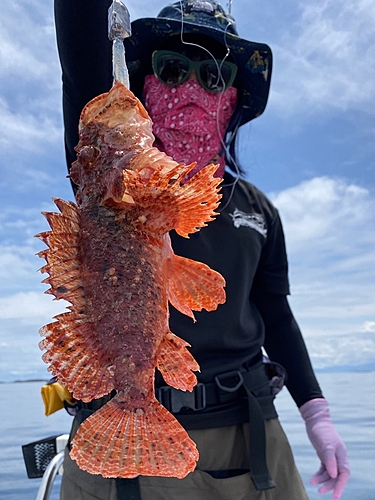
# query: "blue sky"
312,152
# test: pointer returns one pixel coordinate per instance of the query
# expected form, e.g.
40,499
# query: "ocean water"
351,397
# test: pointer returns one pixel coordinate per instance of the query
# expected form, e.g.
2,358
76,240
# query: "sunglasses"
174,69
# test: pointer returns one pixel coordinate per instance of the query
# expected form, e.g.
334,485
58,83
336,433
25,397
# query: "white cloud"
331,245
348,349
23,55
20,356
368,326
29,131
35,58
326,59
327,215
19,263
20,223
30,308
30,102
14,265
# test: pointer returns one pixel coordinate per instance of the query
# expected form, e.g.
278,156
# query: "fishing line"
220,77
232,136
234,132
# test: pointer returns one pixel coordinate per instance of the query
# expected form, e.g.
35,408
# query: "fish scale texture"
111,258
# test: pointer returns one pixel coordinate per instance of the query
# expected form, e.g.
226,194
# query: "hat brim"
254,60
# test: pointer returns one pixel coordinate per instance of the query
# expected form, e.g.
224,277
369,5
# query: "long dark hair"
231,141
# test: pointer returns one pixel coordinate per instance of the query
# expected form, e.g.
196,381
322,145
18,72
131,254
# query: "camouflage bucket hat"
208,18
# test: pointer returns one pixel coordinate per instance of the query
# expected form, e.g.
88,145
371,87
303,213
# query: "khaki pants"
220,449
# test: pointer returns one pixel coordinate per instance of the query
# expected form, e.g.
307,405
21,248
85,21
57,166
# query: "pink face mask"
188,121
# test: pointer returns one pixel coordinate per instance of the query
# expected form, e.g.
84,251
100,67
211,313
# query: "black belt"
227,387
231,386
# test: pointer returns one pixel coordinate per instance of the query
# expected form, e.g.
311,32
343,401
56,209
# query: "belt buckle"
174,399
163,395
228,375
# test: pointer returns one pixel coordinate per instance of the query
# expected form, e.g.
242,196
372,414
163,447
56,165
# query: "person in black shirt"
196,113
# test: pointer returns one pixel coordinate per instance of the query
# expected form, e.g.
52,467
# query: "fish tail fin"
176,364
118,442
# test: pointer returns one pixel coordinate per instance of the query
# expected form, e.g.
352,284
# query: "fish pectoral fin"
194,286
165,201
120,442
197,200
176,364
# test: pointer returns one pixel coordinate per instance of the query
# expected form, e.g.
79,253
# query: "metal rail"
49,475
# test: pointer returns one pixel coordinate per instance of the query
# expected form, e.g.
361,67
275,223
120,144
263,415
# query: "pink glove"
334,470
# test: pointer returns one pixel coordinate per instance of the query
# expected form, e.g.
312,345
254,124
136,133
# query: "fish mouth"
113,109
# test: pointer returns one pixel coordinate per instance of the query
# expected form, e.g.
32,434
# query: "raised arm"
86,59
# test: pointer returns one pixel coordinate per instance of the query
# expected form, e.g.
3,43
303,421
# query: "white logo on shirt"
255,221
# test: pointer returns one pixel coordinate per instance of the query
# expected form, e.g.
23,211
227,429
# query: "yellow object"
53,396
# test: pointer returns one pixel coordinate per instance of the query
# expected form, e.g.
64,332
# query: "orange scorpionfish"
110,257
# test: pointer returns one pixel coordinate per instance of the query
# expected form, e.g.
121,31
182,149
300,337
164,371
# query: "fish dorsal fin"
69,340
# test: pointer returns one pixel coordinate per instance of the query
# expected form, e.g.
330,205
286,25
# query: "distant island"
367,367
44,380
